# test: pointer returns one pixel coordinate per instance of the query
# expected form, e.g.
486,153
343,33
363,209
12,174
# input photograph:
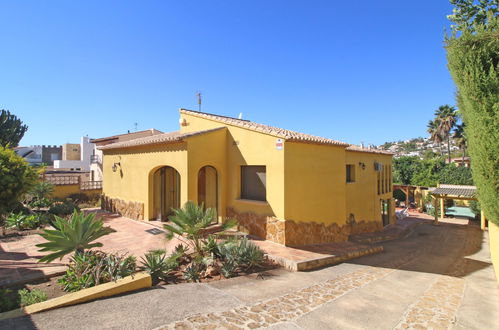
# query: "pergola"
409,190
448,191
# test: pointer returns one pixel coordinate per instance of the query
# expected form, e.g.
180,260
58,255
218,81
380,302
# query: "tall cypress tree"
473,61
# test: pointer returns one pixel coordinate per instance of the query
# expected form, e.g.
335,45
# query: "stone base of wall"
289,232
132,210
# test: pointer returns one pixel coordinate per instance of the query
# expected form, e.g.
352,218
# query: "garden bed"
49,286
177,277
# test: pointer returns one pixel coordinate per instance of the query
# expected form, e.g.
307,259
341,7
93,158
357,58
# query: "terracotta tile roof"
151,131
170,137
374,151
285,134
455,190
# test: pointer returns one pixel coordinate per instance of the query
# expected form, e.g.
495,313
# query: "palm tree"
191,222
73,235
432,129
460,139
447,117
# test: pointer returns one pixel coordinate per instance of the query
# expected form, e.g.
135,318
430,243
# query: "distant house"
76,157
40,154
459,161
96,157
284,186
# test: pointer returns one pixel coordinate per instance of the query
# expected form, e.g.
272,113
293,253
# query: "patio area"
19,255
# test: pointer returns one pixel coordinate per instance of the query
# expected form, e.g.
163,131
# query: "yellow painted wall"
242,147
208,150
63,191
362,198
305,182
315,183
494,247
132,181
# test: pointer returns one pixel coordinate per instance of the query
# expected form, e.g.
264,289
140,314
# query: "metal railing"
95,159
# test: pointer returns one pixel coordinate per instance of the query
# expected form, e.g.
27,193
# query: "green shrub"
73,235
23,221
190,222
473,58
79,198
242,253
40,194
228,269
158,265
193,272
66,207
399,195
95,267
17,177
210,245
7,302
27,297
475,208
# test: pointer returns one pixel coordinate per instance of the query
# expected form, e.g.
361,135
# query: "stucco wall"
208,150
315,183
494,247
306,183
362,198
63,191
132,182
244,147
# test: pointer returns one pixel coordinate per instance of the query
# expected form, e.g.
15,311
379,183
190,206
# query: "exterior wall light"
362,165
115,166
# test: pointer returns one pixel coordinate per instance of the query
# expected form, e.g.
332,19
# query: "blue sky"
363,71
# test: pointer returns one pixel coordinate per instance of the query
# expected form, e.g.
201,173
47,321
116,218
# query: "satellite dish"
240,115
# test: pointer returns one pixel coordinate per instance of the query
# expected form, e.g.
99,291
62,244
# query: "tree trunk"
448,146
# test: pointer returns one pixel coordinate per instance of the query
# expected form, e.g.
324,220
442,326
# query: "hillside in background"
421,147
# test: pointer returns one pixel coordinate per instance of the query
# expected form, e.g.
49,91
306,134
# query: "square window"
350,173
254,183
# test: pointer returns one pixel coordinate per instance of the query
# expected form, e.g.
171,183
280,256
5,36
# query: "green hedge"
473,60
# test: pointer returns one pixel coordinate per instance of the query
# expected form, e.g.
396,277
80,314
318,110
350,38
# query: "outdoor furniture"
401,214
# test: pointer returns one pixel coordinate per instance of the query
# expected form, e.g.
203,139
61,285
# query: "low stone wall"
132,210
289,232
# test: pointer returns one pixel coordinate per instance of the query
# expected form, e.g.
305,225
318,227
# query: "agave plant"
73,235
189,222
158,265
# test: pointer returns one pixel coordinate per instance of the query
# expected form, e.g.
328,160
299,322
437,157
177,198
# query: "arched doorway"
166,192
208,187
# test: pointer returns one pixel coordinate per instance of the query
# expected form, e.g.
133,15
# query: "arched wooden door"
208,188
166,193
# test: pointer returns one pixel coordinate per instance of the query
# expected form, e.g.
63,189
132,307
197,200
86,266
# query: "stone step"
314,256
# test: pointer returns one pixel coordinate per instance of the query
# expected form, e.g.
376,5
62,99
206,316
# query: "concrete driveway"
440,277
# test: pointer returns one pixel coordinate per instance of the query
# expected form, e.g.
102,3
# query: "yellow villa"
287,187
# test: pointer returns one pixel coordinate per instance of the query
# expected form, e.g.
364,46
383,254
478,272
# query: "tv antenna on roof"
198,95
135,125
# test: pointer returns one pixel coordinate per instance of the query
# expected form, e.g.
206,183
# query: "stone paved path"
438,278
